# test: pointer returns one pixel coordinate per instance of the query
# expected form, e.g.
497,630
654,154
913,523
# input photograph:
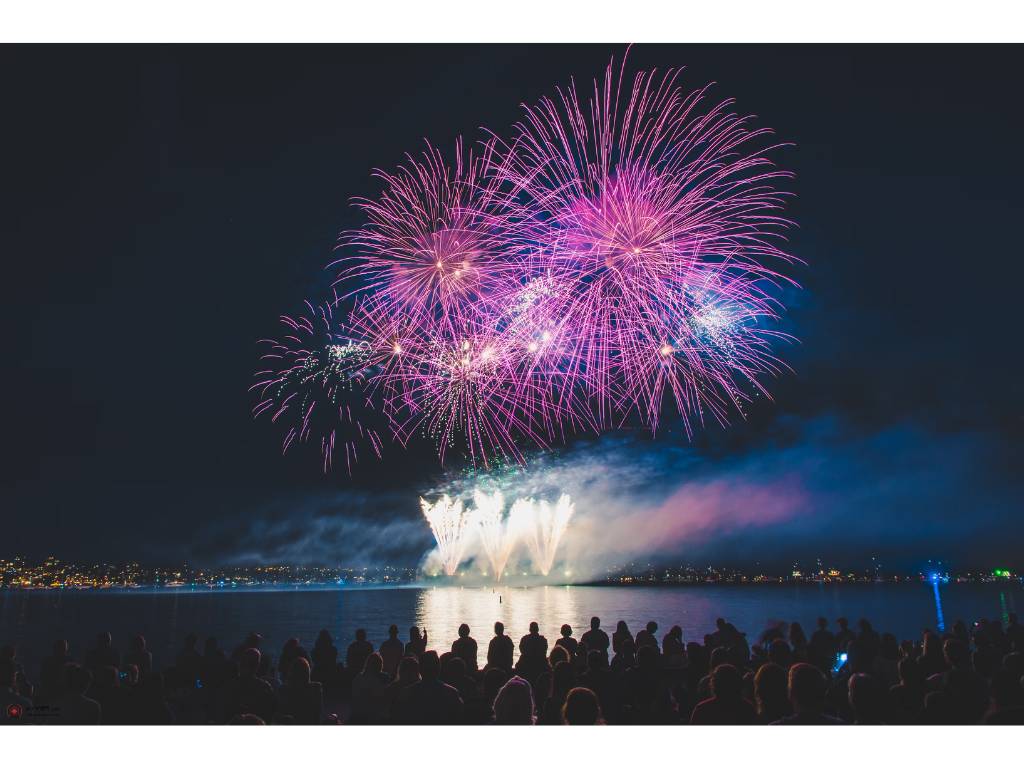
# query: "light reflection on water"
32,621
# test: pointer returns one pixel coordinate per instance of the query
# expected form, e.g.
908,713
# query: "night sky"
162,205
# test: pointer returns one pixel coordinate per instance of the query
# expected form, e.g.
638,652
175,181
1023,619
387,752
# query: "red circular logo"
14,711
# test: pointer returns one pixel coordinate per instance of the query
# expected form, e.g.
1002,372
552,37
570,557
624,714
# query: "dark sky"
163,204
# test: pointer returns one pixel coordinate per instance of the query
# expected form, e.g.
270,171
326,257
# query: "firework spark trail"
450,526
314,384
625,211
542,525
496,532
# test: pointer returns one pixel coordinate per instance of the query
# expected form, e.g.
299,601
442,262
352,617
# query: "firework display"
617,256
542,526
496,534
449,524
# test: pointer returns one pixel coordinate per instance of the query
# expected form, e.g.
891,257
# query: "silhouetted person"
291,651
533,652
408,674
106,690
620,635
368,699
823,646
51,678
560,682
325,659
358,652
844,635
647,635
906,698
807,697
501,648
103,654
249,694
465,648
645,689
140,656
391,651
625,657
673,649
966,688
300,698
417,644
867,700
514,703
1014,633
596,639
770,694
582,708
779,653
149,703
567,641
75,708
430,701
188,662
798,641
726,705
10,697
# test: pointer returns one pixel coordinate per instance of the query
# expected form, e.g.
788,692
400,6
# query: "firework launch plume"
542,526
449,524
496,534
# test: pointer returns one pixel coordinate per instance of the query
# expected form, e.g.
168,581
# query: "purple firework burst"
641,205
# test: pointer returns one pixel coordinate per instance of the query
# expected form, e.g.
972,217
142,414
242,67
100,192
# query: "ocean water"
32,620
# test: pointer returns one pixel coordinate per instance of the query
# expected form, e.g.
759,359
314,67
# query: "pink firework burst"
432,249
315,383
631,205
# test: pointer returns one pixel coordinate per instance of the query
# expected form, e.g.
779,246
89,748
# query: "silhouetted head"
566,630
463,630
104,640
430,666
61,647
249,663
453,669
558,654
676,632
361,635
581,708
253,639
652,627
494,678
595,622
414,633
393,631
864,625
408,670
726,682
499,628
621,627
514,703
374,664
298,672
822,622
720,623
139,643
867,699
769,687
806,688
324,639
534,628
956,653
719,655
842,622
779,652
106,677
595,660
